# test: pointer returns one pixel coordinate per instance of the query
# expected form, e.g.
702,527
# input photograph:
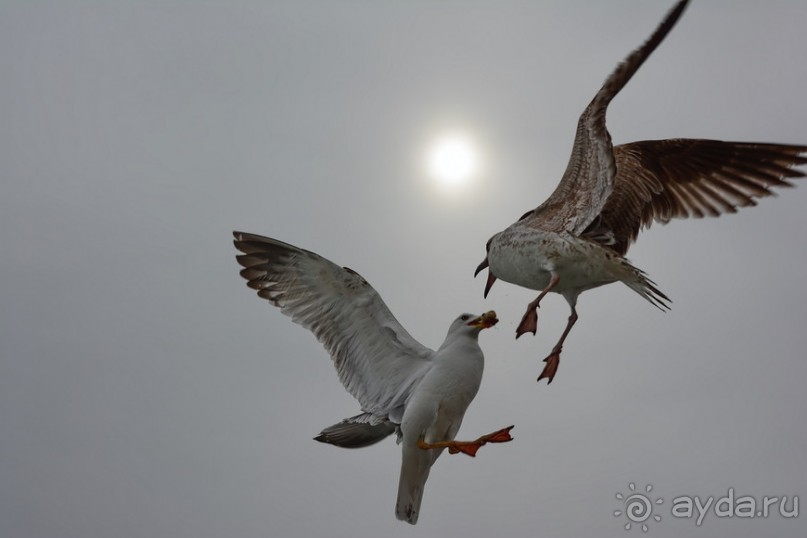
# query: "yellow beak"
485,321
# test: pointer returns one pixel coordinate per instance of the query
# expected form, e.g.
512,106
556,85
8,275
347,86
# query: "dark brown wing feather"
658,180
589,176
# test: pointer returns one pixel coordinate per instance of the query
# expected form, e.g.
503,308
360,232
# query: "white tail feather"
415,466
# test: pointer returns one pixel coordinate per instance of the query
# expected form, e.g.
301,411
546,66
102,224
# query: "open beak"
491,277
489,283
485,321
481,266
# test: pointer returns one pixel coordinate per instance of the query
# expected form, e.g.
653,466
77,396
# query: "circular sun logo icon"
638,507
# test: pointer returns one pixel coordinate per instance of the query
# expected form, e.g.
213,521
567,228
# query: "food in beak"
485,321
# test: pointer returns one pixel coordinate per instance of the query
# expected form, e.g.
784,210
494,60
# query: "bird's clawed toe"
551,367
471,447
499,436
529,323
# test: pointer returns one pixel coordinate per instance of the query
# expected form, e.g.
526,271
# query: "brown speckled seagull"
577,239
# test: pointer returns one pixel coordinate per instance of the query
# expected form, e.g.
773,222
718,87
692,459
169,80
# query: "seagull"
402,386
577,239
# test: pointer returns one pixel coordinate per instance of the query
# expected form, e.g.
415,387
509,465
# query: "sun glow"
452,160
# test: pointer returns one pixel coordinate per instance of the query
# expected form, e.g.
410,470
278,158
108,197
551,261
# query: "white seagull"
401,385
577,239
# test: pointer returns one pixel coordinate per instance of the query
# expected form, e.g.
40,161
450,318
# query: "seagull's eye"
465,317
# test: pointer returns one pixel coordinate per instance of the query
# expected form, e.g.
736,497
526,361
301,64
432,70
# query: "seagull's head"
477,323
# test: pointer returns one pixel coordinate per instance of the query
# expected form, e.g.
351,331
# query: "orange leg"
469,447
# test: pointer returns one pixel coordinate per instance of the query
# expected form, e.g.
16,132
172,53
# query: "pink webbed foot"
551,367
529,322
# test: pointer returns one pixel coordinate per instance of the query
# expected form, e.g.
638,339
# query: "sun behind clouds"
452,160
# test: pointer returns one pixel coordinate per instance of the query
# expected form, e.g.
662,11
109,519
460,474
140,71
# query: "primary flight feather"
576,240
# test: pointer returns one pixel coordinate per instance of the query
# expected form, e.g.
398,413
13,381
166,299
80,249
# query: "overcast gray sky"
146,392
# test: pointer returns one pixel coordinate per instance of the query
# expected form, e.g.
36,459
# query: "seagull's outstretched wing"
658,180
589,176
377,361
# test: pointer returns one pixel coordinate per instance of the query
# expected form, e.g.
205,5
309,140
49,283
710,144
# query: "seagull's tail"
415,466
637,280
